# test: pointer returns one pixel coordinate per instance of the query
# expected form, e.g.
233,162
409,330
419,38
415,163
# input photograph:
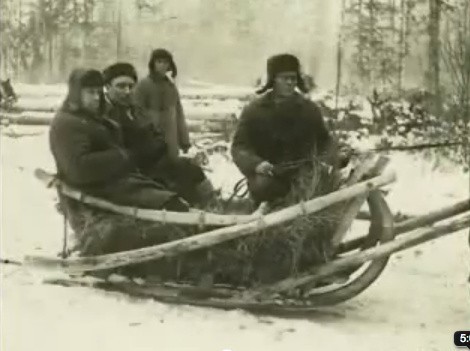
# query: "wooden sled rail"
411,239
173,248
415,222
199,218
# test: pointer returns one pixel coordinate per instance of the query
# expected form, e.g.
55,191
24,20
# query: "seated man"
90,154
178,174
279,132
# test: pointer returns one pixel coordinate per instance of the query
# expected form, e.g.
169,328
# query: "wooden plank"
411,239
213,237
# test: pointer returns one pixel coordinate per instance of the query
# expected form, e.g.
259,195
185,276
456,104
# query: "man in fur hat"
278,132
141,133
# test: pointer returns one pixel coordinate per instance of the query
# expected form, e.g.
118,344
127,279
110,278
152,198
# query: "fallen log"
199,125
414,238
194,93
199,114
213,237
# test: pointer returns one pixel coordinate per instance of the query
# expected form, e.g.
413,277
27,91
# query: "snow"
417,303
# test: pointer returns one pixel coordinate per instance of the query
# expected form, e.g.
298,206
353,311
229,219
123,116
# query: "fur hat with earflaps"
163,54
117,70
81,78
282,63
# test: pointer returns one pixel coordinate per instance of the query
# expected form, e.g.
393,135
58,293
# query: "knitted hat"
163,54
282,63
117,70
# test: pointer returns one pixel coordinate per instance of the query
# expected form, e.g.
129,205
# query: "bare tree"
456,57
434,48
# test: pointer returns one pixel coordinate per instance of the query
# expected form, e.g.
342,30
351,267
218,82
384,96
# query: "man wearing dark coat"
142,133
90,153
137,132
278,132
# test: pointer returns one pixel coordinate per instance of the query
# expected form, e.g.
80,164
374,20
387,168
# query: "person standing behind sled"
90,154
157,96
278,129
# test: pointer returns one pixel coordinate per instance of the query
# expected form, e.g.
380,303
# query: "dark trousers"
181,176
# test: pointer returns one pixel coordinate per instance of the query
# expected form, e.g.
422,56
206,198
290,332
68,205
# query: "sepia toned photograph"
221,175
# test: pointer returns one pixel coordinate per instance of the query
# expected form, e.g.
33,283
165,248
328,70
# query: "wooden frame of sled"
361,259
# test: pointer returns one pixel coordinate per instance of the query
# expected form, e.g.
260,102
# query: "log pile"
208,109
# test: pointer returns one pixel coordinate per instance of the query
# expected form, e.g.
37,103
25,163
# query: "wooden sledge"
360,260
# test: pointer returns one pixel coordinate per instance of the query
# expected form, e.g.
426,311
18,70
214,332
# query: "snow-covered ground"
417,304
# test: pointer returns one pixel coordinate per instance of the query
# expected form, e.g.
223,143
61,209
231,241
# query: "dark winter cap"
91,79
117,70
282,63
163,54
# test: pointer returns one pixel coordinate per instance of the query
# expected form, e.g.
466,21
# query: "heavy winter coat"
90,154
158,97
138,135
147,144
280,133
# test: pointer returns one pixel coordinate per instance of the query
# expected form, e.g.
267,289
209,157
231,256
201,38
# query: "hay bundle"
267,257
287,249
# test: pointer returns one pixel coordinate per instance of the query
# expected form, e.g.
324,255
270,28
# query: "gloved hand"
265,168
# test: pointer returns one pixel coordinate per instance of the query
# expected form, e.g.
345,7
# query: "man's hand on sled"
265,168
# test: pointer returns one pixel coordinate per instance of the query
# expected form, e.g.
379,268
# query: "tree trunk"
62,55
370,70
360,19
50,55
119,31
401,45
434,48
339,55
